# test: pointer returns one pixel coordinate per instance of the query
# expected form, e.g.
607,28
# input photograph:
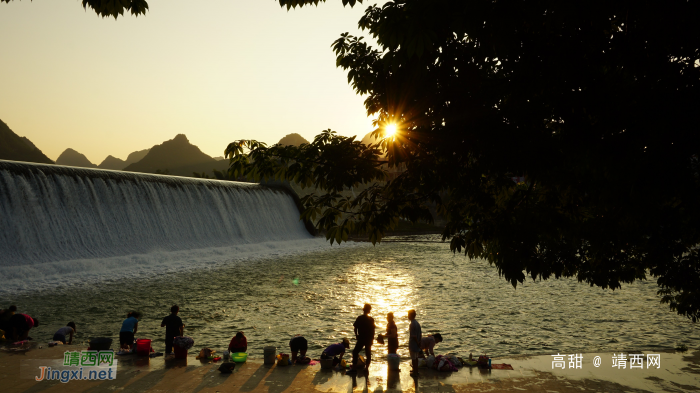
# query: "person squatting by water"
364,333
296,345
5,316
19,325
173,327
414,340
336,351
66,331
129,327
239,343
428,342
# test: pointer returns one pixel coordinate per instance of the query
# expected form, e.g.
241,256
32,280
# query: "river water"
320,293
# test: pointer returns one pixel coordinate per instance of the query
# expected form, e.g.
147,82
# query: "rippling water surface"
320,294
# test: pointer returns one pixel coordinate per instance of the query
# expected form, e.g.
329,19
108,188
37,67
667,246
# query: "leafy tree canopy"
592,103
113,8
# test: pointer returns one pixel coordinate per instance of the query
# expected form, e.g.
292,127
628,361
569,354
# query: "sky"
215,70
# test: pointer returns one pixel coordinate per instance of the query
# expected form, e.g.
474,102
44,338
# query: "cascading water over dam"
51,214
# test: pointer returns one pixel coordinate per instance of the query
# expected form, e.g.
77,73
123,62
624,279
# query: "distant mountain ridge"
71,157
136,157
113,163
178,156
18,148
293,139
118,164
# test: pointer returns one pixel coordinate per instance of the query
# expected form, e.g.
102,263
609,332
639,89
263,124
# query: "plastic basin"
100,343
239,357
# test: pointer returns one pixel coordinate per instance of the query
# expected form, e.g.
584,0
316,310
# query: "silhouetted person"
414,340
239,343
5,316
298,344
19,325
66,331
336,351
173,327
364,331
392,334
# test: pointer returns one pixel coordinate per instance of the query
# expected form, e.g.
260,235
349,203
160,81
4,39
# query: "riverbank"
677,372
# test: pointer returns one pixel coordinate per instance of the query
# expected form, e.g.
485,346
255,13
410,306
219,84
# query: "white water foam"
63,226
86,272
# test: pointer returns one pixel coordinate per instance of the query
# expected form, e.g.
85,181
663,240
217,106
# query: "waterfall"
51,213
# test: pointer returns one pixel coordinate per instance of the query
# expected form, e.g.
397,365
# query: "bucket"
180,353
394,361
270,353
100,344
143,347
326,364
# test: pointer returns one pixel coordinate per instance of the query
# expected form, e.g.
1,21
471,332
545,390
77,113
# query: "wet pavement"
673,372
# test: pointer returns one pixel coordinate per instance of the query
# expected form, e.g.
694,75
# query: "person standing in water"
392,334
173,328
414,340
364,331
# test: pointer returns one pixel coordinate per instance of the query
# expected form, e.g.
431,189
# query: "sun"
389,130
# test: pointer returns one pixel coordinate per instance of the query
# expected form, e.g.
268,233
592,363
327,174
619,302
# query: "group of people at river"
16,326
364,328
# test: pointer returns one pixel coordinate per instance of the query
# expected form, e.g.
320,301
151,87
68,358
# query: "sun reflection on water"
387,290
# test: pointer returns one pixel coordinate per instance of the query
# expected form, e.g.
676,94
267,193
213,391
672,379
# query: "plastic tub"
179,352
239,357
326,364
100,344
270,354
394,361
143,347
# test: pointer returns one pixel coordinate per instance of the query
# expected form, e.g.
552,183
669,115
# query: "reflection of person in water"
392,334
393,377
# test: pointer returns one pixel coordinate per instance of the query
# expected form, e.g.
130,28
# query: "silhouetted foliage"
113,8
218,175
593,103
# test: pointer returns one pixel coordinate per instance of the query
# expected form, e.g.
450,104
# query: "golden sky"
215,70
